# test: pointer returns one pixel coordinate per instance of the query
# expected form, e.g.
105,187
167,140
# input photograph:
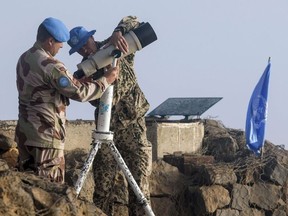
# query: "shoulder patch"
63,82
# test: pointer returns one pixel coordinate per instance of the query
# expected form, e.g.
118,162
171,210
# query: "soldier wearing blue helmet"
44,87
127,122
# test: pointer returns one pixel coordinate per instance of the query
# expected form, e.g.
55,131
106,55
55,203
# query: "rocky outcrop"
26,194
223,179
237,182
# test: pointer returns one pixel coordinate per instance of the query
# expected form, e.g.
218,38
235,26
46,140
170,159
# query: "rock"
14,200
218,142
227,212
10,156
3,165
219,175
266,196
167,190
239,137
25,194
6,143
163,206
166,180
276,172
42,198
207,199
240,197
252,212
279,212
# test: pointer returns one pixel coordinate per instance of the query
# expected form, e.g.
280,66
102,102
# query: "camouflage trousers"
111,187
45,162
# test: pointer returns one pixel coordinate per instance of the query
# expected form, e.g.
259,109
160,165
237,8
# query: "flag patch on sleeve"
63,82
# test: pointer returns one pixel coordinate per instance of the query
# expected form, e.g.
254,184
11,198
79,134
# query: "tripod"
103,136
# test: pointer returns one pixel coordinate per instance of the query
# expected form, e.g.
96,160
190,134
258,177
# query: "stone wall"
166,137
79,132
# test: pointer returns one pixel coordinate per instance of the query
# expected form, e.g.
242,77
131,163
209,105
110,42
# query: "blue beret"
57,29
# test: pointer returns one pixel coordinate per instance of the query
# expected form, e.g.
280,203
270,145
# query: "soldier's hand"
119,42
112,74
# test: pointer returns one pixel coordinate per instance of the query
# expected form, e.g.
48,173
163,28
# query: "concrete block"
170,137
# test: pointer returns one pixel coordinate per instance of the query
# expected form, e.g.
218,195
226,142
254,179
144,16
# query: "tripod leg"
142,199
86,167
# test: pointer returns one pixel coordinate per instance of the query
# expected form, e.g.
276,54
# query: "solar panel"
193,106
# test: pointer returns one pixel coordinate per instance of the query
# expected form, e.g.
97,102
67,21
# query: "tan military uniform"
128,125
44,85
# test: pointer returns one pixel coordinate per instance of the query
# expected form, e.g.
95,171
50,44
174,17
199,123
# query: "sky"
207,48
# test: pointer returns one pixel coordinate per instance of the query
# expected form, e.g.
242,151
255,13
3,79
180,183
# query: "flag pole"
262,150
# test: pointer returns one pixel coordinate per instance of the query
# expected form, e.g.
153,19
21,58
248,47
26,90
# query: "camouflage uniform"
44,86
128,125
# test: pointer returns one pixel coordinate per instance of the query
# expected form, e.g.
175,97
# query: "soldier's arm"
126,24
70,87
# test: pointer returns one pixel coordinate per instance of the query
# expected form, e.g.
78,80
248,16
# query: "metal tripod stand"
103,136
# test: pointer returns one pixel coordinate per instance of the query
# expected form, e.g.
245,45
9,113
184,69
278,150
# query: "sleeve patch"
63,82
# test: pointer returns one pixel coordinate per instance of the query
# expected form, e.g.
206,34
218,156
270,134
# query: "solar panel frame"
185,106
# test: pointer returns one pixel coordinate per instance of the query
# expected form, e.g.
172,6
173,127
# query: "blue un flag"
257,113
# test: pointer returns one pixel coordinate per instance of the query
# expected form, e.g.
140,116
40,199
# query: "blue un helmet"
78,38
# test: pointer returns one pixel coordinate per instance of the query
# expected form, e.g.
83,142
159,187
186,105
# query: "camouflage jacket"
44,85
129,102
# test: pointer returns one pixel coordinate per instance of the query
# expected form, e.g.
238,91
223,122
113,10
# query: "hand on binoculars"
111,74
119,42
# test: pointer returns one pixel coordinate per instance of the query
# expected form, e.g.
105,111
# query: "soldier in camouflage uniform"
127,123
44,87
